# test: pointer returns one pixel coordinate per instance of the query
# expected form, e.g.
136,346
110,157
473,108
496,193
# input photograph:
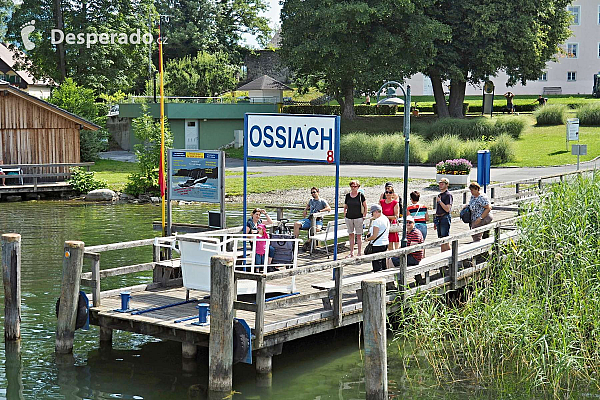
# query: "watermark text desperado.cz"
57,36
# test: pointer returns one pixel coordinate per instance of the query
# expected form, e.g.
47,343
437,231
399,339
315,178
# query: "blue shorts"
443,225
306,223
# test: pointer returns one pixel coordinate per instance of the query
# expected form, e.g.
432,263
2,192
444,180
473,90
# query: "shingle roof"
8,56
264,82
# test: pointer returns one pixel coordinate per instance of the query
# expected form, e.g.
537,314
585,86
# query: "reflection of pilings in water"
14,370
67,376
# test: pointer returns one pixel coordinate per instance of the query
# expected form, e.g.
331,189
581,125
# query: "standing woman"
389,185
480,209
391,210
355,210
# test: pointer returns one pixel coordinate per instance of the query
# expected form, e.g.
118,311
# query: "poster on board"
195,175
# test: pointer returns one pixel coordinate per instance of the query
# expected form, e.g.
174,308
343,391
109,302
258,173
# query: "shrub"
551,114
470,148
359,109
502,149
589,114
84,181
138,183
513,126
444,148
383,149
471,128
458,166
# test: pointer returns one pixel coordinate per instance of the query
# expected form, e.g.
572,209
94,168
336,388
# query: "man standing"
509,102
379,234
442,218
314,205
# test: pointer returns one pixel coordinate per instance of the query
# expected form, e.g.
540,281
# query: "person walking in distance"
443,218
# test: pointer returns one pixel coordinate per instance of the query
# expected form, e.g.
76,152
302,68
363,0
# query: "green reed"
533,320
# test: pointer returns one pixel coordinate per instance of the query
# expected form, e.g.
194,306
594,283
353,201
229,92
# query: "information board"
195,175
573,129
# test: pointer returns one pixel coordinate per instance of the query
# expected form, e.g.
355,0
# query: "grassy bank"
114,172
534,320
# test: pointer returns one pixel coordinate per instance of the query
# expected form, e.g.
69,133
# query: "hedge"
359,109
475,128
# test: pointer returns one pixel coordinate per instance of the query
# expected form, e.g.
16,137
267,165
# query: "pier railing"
33,173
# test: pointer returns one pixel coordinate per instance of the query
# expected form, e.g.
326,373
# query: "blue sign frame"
336,149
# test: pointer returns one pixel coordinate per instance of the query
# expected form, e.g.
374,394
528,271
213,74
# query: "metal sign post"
578,150
312,138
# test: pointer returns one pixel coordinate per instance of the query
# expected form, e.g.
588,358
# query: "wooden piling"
69,296
11,276
453,272
220,347
374,321
264,368
188,350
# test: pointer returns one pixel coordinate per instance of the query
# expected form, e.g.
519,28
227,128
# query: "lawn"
114,172
546,145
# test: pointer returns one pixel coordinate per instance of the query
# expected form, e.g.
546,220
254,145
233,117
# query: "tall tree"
493,35
351,45
105,67
6,8
210,26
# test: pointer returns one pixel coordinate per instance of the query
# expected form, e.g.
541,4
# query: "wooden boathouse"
166,309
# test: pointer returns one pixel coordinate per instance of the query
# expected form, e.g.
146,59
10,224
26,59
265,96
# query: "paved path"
415,172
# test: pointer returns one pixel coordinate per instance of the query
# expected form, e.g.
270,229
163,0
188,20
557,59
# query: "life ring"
241,342
82,311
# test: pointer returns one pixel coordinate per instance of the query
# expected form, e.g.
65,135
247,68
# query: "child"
261,247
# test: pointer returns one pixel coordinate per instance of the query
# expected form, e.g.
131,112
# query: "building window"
543,77
571,76
598,15
575,11
572,50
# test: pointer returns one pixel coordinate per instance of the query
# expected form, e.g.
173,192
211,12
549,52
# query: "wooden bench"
12,171
552,90
427,264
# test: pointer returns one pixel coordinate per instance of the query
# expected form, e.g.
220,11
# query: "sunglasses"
353,185
313,192
387,192
409,222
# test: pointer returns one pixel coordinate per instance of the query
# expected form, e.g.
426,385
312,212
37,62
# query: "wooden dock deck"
280,324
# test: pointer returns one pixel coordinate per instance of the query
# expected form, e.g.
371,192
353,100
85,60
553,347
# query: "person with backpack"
480,209
355,211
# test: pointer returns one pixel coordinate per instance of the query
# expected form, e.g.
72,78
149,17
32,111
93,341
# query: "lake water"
327,366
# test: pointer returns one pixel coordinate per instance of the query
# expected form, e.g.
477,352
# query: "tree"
82,102
354,45
492,35
211,26
6,9
203,75
104,67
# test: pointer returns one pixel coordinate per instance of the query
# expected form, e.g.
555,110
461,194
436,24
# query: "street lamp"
391,91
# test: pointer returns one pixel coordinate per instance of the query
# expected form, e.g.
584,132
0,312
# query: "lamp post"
406,131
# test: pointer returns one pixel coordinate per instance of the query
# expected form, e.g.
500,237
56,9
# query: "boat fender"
82,311
241,342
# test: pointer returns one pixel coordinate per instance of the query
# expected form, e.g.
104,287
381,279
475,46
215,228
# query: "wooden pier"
321,302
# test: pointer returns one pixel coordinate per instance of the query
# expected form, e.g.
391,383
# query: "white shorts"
354,225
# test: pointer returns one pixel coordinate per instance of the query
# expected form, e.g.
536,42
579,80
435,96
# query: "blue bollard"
125,297
202,313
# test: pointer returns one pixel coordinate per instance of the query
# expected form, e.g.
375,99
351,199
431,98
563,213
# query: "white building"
573,73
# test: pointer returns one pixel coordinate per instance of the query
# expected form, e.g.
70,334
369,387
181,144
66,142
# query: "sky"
273,15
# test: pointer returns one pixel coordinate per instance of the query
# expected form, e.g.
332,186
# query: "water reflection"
14,370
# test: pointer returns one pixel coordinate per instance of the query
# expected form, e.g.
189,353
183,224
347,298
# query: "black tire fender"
82,311
241,342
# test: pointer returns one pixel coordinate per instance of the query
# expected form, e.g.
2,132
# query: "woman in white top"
378,233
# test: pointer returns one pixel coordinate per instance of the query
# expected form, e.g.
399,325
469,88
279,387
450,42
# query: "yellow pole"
161,175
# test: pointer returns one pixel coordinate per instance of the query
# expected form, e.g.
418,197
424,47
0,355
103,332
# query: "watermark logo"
26,30
57,36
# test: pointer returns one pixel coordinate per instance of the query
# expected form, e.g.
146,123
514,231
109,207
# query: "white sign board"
292,137
573,129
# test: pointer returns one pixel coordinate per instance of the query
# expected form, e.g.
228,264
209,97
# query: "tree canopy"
354,45
488,36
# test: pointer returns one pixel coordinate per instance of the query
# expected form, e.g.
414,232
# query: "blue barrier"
483,168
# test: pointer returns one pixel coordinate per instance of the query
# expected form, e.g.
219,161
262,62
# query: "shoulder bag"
465,215
369,247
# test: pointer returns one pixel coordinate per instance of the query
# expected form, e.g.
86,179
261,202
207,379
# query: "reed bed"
551,114
532,324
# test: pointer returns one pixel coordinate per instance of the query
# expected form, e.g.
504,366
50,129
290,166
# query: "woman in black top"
355,210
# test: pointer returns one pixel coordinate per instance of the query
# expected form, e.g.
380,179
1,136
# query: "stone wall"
120,130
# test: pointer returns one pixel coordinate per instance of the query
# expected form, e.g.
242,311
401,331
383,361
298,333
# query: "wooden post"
156,257
259,319
402,278
264,368
188,350
337,297
517,187
220,347
69,296
279,211
492,193
434,204
464,198
374,321
540,184
11,276
96,279
106,335
454,265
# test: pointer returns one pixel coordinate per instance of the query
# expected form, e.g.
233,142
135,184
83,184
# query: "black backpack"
465,215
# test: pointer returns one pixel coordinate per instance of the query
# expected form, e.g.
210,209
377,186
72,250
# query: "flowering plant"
458,166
